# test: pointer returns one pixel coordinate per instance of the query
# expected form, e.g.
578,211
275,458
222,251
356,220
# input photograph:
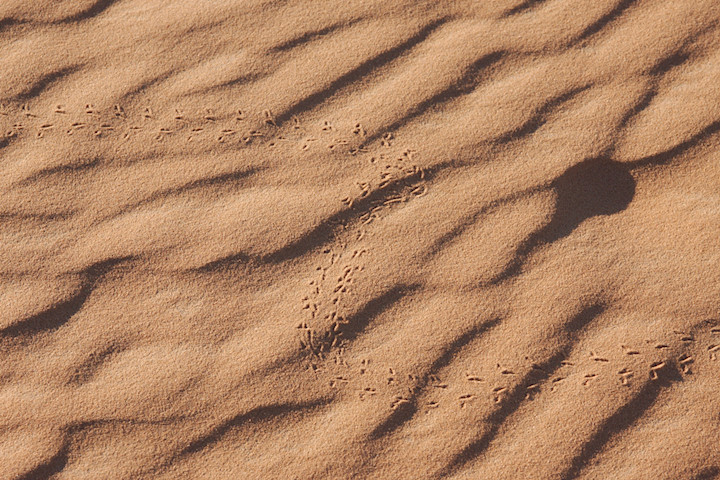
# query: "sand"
332,239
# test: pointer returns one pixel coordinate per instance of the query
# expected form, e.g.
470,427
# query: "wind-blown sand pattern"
360,239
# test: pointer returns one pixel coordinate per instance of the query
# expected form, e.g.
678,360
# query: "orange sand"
332,239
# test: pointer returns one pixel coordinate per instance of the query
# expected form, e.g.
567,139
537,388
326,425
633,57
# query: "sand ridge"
359,239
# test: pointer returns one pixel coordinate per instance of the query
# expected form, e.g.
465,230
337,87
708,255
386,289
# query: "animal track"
655,369
398,402
629,351
625,375
464,399
685,361
473,378
588,378
402,388
597,358
325,315
469,142
334,278
204,125
498,394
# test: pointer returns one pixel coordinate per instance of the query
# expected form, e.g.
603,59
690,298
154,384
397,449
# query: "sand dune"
294,239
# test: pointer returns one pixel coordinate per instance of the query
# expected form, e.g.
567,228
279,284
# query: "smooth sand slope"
332,239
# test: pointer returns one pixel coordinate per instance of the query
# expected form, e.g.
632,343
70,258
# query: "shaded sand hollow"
332,239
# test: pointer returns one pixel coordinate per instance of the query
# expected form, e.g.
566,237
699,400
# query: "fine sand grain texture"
359,239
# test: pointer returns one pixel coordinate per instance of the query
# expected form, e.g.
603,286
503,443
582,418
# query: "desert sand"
332,239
